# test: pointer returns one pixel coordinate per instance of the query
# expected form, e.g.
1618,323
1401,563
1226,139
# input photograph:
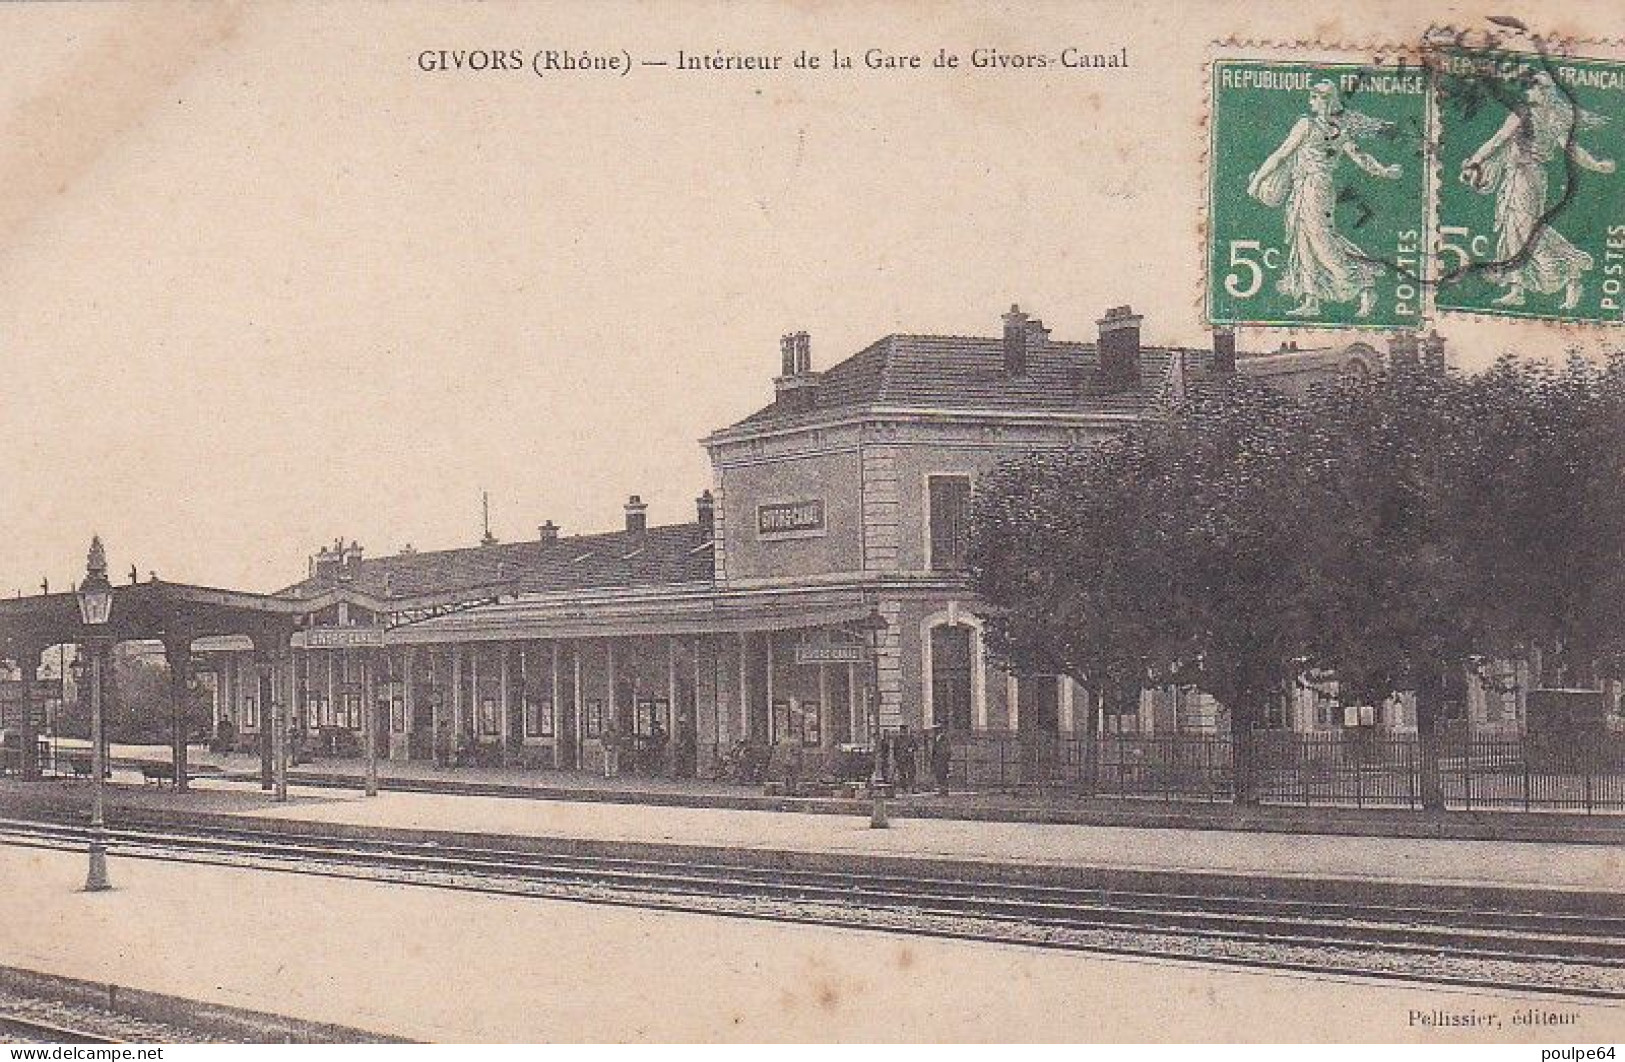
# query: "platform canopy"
181,613
149,611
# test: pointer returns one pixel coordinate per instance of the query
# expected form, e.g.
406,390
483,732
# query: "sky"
264,282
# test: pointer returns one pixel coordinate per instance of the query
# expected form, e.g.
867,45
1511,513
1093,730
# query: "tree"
1393,530
1401,603
1164,555
1544,508
136,703
1478,519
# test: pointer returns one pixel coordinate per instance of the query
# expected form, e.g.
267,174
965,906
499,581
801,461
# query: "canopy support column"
178,654
369,717
265,693
28,661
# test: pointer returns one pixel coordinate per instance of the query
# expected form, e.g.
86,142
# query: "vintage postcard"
902,522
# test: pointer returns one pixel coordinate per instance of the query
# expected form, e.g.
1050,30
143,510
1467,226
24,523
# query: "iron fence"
1356,768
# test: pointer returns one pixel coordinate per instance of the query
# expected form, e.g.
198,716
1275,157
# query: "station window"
649,710
949,502
538,717
1120,715
1276,715
1328,713
1328,703
1501,697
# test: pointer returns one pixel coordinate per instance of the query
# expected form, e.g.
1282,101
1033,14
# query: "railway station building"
753,618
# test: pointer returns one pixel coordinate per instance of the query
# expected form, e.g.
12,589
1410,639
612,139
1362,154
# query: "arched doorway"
952,664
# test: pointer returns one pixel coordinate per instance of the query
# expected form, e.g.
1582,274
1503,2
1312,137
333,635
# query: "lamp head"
95,593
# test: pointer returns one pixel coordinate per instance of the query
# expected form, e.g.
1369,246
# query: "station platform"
936,845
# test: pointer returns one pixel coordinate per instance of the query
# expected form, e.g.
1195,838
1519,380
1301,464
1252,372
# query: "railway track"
1521,949
20,1029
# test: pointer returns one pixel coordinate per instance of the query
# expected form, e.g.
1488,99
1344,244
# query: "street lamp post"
874,625
95,596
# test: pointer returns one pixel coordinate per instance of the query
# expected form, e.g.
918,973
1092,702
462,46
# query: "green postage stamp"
1531,210
1317,195
1471,180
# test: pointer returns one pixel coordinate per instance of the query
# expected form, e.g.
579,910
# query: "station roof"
967,373
668,555
1295,370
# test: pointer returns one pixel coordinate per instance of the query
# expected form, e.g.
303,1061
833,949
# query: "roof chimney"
1119,347
796,388
1403,348
1023,336
487,539
325,564
548,532
705,508
795,352
1432,352
1224,350
803,353
637,514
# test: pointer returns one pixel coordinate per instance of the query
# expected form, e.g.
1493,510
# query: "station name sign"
790,518
831,654
344,638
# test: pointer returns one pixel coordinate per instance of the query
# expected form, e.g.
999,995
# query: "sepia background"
264,282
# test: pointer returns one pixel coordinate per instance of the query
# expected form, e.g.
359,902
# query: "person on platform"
683,758
612,750
657,747
226,735
941,758
906,752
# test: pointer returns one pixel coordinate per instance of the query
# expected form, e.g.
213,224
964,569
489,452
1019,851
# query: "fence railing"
1353,769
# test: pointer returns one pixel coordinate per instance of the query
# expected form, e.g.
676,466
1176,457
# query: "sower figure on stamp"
1323,265
1531,255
